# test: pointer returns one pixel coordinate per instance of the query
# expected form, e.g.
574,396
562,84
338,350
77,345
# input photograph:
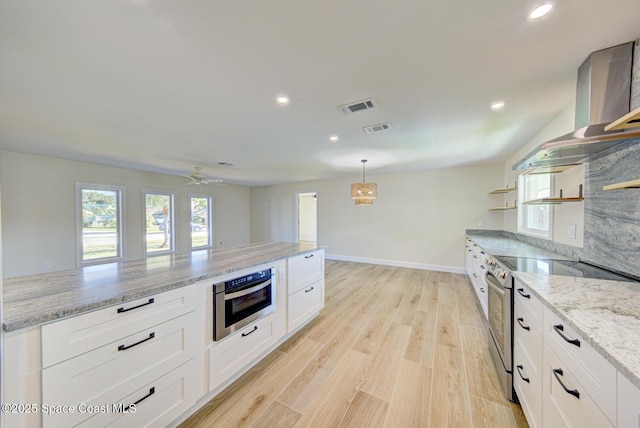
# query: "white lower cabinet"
104,376
305,288
304,304
565,401
231,355
527,354
156,403
628,403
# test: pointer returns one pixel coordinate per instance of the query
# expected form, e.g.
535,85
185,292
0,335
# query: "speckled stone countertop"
605,313
37,299
503,246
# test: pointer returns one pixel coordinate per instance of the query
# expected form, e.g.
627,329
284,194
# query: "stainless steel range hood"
603,96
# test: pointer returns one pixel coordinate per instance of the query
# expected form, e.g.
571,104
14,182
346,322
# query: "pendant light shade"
364,193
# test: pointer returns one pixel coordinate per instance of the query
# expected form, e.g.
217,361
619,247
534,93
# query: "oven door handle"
493,282
247,290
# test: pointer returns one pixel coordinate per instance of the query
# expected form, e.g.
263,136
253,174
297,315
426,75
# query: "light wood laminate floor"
393,347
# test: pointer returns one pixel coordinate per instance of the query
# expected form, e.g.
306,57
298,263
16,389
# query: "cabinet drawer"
68,338
230,355
530,343
527,305
106,374
628,403
305,269
302,304
158,403
596,375
562,409
527,381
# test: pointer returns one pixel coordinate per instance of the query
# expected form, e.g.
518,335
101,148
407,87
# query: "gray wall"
38,210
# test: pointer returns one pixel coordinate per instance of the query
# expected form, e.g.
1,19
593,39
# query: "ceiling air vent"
376,128
357,106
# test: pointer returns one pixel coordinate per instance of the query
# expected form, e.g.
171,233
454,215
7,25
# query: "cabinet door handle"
255,327
521,292
121,310
475,257
152,391
481,290
557,373
306,291
559,328
309,256
123,348
522,325
526,379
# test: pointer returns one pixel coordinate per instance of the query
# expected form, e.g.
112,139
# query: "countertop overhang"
37,299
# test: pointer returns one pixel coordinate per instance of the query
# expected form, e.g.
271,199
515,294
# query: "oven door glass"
241,304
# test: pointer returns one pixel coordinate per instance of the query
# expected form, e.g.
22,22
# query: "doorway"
307,216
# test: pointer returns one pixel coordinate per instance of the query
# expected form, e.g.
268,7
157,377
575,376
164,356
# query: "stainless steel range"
499,284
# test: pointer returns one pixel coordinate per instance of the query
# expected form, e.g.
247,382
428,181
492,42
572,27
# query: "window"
159,221
100,223
535,219
200,221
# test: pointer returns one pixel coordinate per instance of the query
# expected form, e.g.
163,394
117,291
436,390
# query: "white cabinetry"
571,361
478,271
527,353
136,352
305,291
468,258
229,356
628,403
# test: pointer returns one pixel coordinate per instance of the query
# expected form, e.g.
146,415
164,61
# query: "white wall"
419,218
564,214
38,210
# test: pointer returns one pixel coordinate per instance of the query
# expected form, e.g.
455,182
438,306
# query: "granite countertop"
605,313
37,299
503,246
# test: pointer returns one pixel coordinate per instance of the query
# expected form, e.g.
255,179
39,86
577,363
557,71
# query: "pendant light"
364,193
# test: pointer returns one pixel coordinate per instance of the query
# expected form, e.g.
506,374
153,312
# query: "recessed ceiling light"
498,105
333,138
282,99
540,11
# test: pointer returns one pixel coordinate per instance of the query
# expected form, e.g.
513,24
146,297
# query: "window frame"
523,209
121,233
209,222
172,240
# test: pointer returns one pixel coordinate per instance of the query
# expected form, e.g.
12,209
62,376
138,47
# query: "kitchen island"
37,299
83,347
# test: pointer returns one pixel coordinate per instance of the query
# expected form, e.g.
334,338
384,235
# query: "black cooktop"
561,267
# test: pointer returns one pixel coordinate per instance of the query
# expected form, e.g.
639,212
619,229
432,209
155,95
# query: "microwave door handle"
246,291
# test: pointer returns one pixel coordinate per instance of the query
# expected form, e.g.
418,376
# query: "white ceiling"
163,85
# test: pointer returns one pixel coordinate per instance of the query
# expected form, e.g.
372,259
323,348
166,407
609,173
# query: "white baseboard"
397,263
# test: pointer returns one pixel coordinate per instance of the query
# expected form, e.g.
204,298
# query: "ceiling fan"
199,178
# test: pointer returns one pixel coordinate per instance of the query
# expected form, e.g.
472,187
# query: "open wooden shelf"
502,208
633,184
502,190
543,201
629,120
550,169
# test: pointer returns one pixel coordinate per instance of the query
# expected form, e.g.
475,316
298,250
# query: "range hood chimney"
603,95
